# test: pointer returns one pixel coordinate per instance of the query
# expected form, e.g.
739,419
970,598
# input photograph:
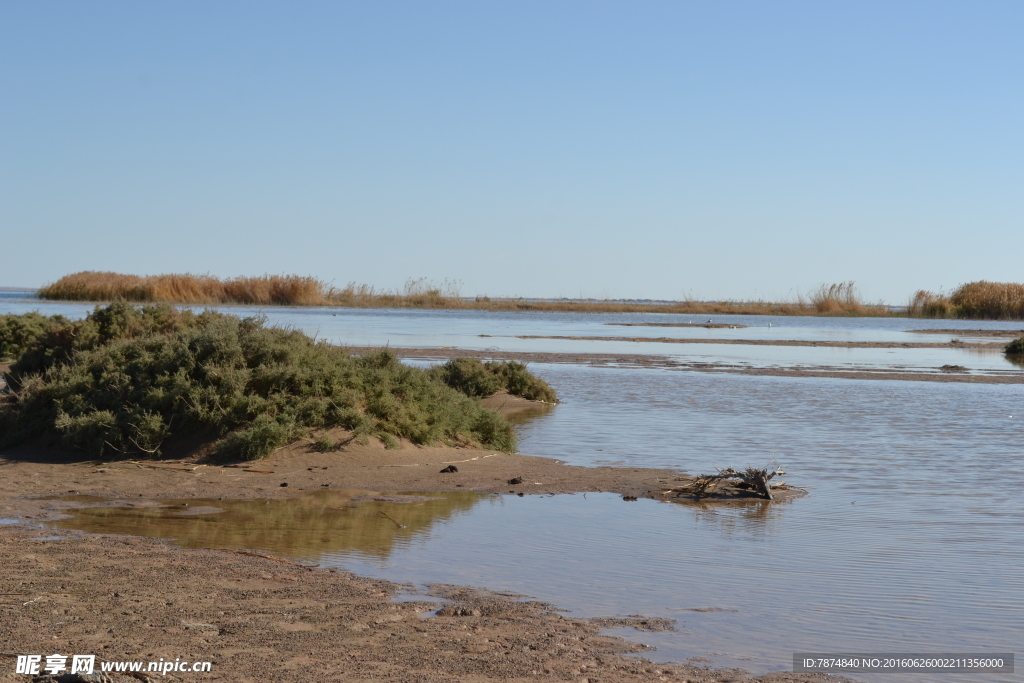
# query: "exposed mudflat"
655,361
259,619
783,342
1008,334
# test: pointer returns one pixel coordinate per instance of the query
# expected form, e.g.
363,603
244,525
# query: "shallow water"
501,332
303,528
911,539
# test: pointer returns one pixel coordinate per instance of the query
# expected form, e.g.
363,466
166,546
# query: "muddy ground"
267,619
255,619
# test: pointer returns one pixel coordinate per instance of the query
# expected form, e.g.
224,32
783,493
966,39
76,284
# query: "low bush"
18,332
476,378
126,379
324,444
1016,347
470,376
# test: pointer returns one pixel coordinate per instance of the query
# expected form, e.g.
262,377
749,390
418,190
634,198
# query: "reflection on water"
530,414
303,528
730,515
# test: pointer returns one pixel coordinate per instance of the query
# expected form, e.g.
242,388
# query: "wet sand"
669,362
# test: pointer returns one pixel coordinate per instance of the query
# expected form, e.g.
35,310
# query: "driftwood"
752,478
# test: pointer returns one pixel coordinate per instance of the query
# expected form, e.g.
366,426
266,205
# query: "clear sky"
619,149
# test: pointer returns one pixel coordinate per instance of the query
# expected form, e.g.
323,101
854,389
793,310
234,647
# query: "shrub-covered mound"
17,332
126,379
1016,347
476,378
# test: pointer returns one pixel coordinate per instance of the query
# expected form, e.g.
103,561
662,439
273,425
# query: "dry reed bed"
977,300
293,290
188,289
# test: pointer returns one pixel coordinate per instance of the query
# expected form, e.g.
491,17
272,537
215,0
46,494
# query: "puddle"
412,596
528,415
9,520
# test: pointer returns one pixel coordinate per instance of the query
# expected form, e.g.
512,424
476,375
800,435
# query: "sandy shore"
33,472
263,619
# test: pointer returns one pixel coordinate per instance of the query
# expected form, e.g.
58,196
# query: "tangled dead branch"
752,479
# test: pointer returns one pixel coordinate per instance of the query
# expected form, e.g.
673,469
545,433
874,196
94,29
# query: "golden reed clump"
979,300
293,290
189,289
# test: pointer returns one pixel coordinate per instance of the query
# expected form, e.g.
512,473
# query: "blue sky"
627,149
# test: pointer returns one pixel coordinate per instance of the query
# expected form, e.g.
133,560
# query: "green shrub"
1016,347
19,332
473,377
62,338
470,376
126,379
325,444
520,382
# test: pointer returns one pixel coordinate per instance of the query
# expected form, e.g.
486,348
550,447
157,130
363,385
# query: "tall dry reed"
979,300
841,298
925,304
984,299
190,289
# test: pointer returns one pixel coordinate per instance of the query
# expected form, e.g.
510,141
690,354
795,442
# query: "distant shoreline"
981,300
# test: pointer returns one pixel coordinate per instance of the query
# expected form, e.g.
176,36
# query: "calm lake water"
911,537
487,331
